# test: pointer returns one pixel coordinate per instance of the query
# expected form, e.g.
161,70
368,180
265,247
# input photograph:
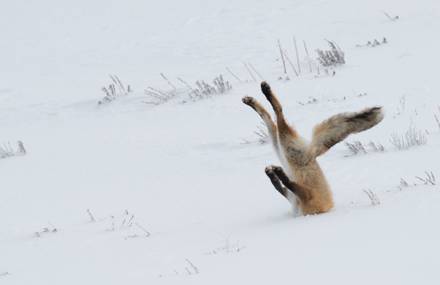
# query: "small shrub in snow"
374,199
357,147
7,150
205,90
262,137
412,137
227,248
2,274
125,223
189,269
45,231
159,97
332,57
200,91
376,147
403,183
374,43
114,90
428,179
311,100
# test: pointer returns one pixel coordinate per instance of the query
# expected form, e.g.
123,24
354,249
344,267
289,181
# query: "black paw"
265,88
279,172
277,169
269,170
272,169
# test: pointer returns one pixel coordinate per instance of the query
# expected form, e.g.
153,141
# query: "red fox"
305,184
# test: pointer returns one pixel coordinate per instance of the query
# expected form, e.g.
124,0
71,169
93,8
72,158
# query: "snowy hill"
175,193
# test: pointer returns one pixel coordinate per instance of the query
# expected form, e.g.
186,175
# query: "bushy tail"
338,127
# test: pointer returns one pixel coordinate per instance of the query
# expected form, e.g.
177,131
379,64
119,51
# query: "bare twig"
308,57
282,57
429,178
233,75
254,70
249,71
297,55
391,18
193,267
117,82
92,218
130,221
147,233
113,223
291,64
437,118
158,96
185,83
168,81
374,199
438,121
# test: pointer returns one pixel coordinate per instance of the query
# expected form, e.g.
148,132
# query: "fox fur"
302,181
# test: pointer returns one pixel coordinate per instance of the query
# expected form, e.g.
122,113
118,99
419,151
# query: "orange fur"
304,177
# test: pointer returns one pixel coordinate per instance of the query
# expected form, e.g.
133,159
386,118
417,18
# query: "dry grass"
8,150
331,57
412,137
114,90
357,147
428,178
261,136
374,199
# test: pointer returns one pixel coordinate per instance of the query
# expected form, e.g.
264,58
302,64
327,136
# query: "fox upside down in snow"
305,183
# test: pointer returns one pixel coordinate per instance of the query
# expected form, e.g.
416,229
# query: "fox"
301,180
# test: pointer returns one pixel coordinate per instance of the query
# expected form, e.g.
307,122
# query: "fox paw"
265,88
248,100
273,169
270,169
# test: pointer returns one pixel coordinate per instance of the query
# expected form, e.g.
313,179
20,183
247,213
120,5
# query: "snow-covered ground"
175,195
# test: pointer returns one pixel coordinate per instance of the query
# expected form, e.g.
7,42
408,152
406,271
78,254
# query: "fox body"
302,181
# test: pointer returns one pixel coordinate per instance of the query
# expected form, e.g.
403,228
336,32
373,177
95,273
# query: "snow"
177,198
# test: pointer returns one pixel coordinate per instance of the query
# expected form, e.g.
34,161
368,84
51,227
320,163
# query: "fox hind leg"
283,127
270,96
290,141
